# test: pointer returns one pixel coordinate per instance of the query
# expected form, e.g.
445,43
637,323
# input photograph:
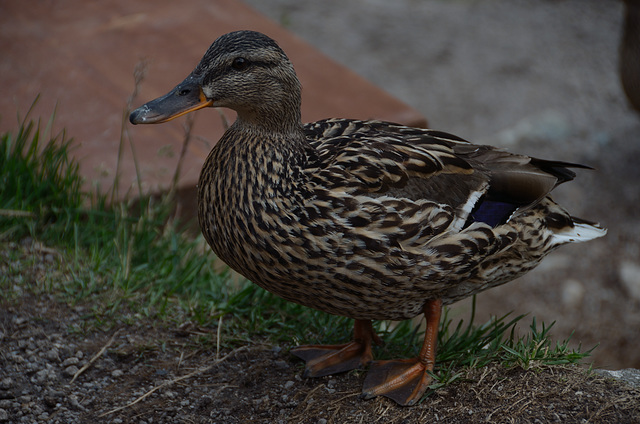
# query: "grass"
117,257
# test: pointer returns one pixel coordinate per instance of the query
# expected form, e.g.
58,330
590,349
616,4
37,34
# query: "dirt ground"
132,369
534,77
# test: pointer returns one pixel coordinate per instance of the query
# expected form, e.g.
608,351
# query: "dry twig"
95,357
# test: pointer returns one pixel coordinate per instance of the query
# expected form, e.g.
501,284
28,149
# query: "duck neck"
285,147
281,119
265,163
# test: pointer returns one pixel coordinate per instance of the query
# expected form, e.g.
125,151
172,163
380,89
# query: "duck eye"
240,64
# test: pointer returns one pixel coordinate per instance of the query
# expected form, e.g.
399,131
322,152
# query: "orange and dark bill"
184,98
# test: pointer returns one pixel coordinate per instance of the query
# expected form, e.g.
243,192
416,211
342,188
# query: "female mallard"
365,219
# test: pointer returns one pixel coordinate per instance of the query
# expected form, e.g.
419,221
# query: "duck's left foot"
403,380
332,359
406,380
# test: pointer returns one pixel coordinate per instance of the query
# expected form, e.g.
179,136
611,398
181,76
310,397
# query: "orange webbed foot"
322,360
406,380
403,380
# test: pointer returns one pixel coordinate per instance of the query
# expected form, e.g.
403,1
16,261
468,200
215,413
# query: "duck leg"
331,359
406,380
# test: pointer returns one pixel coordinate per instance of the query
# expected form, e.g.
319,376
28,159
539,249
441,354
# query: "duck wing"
480,183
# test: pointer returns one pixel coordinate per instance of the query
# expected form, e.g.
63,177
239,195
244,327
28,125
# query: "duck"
365,219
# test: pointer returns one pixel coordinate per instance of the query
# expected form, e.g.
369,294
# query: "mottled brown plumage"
365,219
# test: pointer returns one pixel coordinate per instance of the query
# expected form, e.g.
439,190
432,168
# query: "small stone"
289,384
630,376
53,355
322,421
70,361
117,373
70,371
4,415
79,354
6,383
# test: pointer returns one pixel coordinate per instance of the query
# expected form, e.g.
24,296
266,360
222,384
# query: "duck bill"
185,98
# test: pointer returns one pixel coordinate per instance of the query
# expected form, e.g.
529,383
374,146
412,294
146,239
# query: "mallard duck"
365,219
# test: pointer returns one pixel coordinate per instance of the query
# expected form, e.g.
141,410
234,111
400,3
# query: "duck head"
245,71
